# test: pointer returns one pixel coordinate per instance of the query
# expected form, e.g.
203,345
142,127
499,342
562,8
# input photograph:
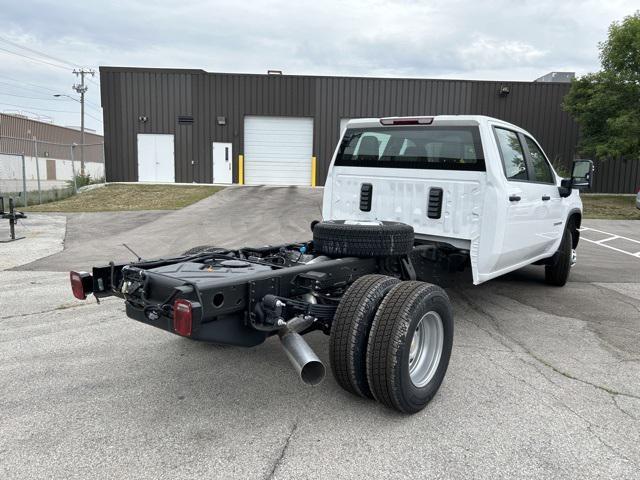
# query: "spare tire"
344,238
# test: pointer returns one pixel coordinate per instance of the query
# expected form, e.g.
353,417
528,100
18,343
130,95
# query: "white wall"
11,172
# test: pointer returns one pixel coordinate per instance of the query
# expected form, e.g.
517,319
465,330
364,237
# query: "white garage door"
278,150
156,158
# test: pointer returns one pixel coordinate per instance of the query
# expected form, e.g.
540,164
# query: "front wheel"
409,346
558,273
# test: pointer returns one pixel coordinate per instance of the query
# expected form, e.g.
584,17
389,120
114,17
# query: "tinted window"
541,169
512,154
437,147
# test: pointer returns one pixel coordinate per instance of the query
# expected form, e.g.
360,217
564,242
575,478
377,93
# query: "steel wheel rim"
425,349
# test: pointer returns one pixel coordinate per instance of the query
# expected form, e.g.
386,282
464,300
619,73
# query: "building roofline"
27,119
115,69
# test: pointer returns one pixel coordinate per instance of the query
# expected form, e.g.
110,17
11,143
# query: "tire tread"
388,332
340,239
350,331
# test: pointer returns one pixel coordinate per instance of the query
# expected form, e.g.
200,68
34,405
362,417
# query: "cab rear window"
432,147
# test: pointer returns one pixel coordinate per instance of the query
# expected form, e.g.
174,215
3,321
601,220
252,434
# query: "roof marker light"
407,121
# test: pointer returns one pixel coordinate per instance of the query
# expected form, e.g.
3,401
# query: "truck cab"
474,184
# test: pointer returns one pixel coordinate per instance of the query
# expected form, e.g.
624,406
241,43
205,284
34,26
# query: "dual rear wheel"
391,341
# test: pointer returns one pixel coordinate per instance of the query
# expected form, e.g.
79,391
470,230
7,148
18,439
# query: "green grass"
120,197
611,207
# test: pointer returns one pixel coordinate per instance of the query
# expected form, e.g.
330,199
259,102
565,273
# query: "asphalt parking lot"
543,382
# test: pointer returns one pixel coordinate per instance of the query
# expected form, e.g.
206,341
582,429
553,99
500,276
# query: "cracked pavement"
543,382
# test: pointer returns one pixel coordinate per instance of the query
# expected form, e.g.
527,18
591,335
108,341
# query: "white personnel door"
156,161
278,150
222,160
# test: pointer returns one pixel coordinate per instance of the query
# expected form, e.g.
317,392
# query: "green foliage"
621,52
561,168
84,180
606,104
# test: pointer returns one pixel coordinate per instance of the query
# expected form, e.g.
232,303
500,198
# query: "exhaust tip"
309,367
313,373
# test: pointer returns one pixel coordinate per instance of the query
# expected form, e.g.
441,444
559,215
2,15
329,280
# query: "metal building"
18,133
194,126
36,155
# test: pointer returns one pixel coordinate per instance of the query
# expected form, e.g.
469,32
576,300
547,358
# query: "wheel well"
573,222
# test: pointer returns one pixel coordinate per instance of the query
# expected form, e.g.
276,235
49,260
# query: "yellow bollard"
240,169
313,171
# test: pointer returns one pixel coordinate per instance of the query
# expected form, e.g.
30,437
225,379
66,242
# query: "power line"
37,108
34,59
33,98
34,85
95,118
25,87
47,110
98,110
22,83
42,54
93,105
36,89
80,88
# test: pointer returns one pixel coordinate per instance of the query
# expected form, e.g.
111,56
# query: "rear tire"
400,376
558,273
350,331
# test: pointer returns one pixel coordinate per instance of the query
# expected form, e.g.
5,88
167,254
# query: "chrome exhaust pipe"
309,367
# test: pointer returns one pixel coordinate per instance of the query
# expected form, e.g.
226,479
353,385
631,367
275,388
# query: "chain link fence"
34,171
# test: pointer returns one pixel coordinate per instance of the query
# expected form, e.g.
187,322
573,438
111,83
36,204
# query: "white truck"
404,197
473,184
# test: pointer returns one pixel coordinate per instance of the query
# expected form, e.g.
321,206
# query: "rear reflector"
407,121
182,317
81,284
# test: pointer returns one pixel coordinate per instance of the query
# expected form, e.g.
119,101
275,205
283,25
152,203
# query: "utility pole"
81,88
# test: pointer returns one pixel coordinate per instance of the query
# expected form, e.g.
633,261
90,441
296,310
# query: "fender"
575,232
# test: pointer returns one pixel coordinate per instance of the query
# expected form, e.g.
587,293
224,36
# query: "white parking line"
612,236
607,239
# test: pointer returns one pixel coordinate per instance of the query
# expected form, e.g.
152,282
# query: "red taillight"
81,284
182,317
407,121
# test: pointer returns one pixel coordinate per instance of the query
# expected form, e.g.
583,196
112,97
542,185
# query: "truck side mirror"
582,174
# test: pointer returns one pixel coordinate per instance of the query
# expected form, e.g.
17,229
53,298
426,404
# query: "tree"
606,104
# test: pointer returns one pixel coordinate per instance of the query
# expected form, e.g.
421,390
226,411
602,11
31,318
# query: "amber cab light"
182,317
81,284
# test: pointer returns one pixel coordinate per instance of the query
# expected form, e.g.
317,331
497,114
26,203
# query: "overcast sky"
497,40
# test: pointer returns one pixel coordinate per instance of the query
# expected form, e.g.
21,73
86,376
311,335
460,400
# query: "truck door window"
512,154
425,147
541,169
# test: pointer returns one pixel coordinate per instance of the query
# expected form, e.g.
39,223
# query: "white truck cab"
469,183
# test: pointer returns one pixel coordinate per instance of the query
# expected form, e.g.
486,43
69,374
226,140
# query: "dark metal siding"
163,94
616,175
